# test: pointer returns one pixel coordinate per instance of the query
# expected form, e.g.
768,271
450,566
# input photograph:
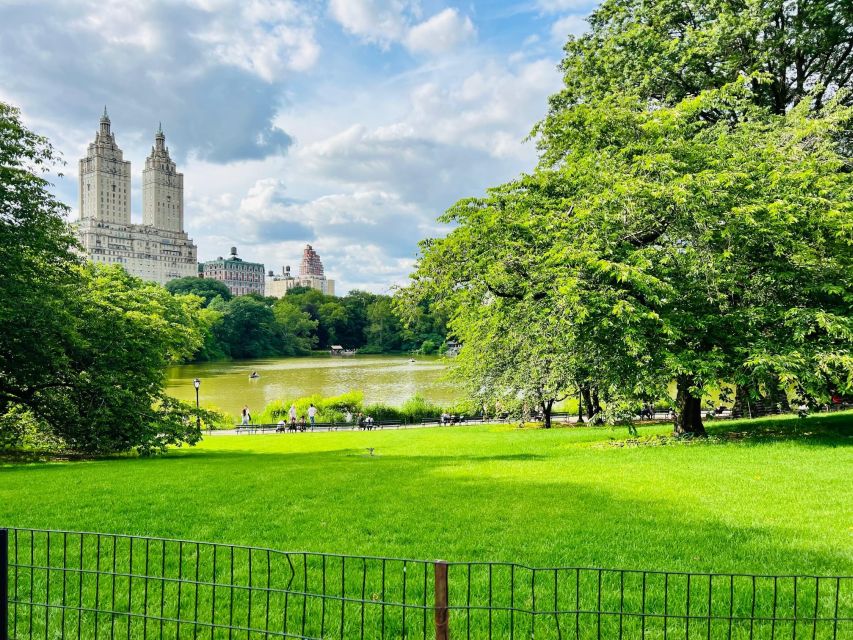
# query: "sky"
347,124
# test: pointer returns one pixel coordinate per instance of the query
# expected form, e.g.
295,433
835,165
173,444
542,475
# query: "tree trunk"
590,398
688,417
744,403
587,400
777,396
546,413
596,406
580,406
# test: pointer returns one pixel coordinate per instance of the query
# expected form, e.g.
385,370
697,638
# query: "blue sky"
349,124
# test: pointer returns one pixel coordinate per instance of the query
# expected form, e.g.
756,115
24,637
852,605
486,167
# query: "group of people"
302,425
365,423
449,418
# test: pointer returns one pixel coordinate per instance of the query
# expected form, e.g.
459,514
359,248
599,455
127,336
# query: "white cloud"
571,25
386,22
377,21
377,146
441,33
265,37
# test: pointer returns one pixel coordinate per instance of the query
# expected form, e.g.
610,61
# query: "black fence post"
4,584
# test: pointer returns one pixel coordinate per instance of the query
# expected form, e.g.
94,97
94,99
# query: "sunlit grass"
546,498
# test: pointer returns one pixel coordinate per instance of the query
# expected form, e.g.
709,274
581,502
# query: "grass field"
545,498
776,501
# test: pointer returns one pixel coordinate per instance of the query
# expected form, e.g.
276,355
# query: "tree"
205,288
83,349
110,396
683,248
297,328
668,50
249,329
38,271
384,330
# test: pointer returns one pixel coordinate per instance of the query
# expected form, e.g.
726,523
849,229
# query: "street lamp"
197,384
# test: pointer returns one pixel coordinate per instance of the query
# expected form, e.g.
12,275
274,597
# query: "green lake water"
388,379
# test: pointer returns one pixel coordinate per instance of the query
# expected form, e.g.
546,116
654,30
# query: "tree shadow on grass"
429,506
826,429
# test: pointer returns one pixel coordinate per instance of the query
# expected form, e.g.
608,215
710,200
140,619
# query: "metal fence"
88,585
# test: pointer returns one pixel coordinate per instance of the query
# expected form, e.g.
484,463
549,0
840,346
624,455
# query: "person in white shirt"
293,414
312,411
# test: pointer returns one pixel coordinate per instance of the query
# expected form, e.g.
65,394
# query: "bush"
332,409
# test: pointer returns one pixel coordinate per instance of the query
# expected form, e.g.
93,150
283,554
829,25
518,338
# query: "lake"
388,379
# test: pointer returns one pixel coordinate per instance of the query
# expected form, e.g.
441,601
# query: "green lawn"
775,502
545,498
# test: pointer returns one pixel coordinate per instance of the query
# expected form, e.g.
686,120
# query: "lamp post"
197,384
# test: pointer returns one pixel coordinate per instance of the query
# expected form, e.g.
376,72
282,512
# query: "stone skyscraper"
105,179
158,249
162,189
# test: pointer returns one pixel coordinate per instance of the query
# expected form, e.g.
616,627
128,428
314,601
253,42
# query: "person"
348,416
312,411
246,416
293,414
360,419
302,425
369,422
280,426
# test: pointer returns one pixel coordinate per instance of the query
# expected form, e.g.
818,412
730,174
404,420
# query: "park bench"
254,428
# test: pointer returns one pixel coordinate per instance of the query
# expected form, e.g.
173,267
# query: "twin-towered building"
158,249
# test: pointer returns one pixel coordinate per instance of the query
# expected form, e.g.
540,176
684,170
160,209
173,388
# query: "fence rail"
64,584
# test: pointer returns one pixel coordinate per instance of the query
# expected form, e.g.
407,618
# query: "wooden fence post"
442,615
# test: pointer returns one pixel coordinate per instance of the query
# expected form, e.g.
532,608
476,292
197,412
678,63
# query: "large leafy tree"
679,247
110,395
37,273
83,349
668,50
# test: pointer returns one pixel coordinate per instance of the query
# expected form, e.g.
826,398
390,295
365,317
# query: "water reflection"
388,379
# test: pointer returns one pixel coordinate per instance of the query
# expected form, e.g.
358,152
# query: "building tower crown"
160,138
311,264
105,123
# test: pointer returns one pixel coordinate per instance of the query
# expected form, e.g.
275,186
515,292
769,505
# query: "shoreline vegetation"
305,322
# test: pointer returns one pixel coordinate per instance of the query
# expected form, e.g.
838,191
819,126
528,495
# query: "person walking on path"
293,414
312,411
247,417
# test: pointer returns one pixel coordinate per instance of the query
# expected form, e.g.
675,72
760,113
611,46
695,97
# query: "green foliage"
329,409
248,329
690,218
204,288
305,319
83,349
666,51
334,409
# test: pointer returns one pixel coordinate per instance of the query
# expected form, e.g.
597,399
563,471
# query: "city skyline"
347,125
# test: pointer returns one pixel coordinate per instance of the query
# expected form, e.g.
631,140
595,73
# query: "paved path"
429,425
